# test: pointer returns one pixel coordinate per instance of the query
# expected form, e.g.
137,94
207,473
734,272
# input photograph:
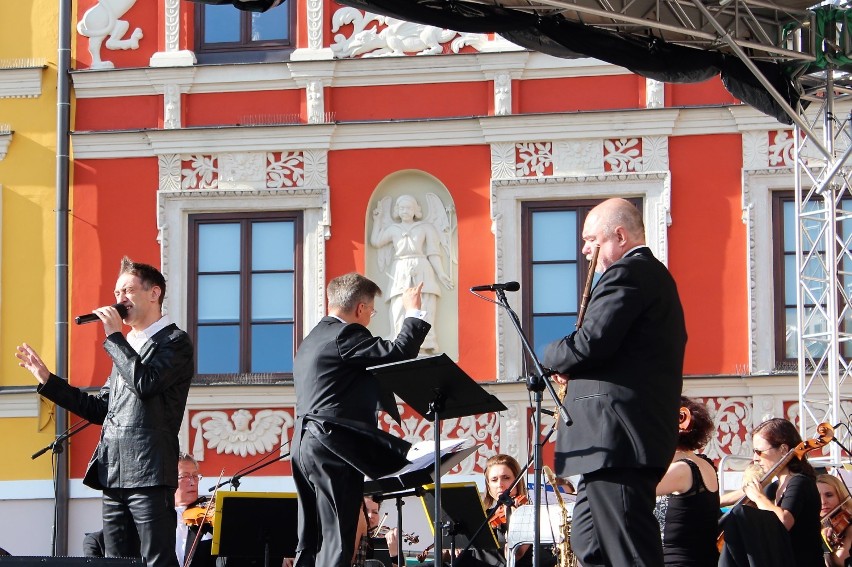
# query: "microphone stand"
536,382
57,444
235,480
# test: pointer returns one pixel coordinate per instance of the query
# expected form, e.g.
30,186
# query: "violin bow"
188,559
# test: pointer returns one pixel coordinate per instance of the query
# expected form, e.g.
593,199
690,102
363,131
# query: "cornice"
23,403
465,67
579,125
403,133
21,82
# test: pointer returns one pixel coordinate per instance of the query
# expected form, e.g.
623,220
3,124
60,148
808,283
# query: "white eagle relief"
240,434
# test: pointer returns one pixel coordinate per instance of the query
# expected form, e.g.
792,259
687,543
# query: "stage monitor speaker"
21,561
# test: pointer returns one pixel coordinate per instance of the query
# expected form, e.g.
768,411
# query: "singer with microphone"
625,366
140,409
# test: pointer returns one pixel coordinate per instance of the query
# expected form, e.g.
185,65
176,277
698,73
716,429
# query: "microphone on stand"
91,317
508,286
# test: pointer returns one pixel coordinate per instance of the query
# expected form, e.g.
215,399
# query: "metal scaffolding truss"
824,269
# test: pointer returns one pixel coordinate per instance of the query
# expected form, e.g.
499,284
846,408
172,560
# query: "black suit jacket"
626,370
140,408
337,397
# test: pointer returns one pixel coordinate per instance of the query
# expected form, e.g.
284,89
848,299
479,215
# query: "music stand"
436,388
255,525
463,513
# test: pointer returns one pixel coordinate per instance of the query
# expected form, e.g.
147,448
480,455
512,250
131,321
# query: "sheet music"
521,527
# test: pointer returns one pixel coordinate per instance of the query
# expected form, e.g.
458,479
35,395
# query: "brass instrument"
584,303
566,556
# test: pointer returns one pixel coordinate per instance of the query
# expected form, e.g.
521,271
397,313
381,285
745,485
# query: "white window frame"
507,198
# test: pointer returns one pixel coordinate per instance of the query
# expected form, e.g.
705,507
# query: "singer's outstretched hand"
110,318
30,360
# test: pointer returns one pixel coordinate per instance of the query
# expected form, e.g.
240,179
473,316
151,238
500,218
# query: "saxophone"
584,302
566,556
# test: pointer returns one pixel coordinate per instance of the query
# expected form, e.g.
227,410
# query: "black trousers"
141,521
330,495
613,522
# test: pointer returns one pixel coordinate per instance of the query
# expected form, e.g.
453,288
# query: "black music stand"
436,388
462,515
255,525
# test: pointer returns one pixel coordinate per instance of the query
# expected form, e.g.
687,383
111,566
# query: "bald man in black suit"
336,440
624,374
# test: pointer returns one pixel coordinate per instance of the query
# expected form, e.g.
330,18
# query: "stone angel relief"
414,247
236,436
102,20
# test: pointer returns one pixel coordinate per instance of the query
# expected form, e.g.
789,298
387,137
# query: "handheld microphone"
91,317
508,286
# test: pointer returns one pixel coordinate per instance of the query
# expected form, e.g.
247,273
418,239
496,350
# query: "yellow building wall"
27,232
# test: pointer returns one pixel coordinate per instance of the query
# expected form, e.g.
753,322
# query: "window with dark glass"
244,292
555,269
787,279
225,34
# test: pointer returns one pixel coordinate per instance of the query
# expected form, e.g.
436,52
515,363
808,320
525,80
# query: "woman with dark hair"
688,495
793,497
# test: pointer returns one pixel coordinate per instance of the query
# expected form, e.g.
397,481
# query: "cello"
825,433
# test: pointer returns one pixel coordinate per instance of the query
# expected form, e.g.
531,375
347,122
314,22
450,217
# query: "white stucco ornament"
103,20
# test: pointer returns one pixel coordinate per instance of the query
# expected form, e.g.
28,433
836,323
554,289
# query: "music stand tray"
461,505
418,472
254,524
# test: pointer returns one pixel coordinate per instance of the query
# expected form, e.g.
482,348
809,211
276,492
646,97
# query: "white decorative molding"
655,153
502,161
241,432
755,149
172,56
315,95
533,159
21,82
242,170
507,198
175,205
576,157
758,186
103,21
373,35
502,94
5,140
171,107
623,155
654,94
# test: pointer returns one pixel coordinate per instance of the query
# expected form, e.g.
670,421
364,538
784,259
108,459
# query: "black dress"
801,499
689,523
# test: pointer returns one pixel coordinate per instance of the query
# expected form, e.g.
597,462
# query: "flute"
584,302
587,291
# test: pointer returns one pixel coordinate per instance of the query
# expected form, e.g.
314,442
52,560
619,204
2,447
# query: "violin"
836,523
499,517
825,433
200,514
382,531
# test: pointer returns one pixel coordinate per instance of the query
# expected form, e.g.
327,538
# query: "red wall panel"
218,109
409,101
142,15
579,93
126,113
711,91
707,244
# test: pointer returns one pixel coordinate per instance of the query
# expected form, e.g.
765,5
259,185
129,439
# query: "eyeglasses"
194,477
372,310
760,452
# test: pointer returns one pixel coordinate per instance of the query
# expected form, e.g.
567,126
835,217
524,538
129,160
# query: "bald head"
616,226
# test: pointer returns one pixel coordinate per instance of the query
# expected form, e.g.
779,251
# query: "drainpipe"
63,144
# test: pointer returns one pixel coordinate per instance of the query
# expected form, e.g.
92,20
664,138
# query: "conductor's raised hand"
411,297
110,318
30,360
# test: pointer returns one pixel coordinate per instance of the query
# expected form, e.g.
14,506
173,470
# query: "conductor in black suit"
624,373
336,441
